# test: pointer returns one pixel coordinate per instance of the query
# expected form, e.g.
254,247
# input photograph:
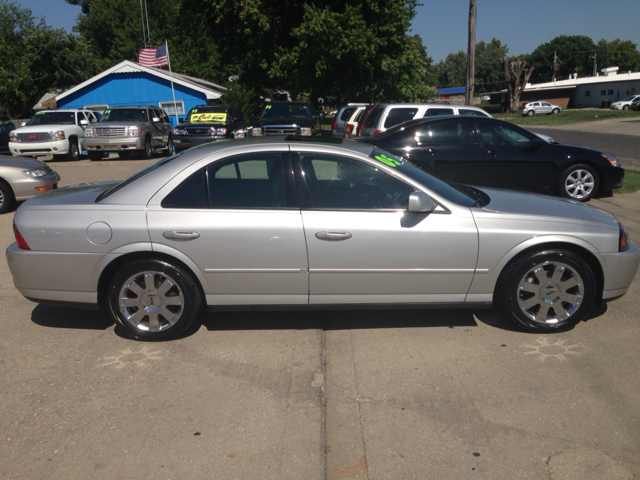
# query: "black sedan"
494,153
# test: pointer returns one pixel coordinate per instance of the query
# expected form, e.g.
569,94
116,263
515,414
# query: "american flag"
153,57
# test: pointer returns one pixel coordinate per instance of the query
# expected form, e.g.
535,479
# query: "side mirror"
181,120
420,202
84,122
24,124
155,119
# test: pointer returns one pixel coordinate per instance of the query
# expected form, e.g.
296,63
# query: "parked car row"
627,103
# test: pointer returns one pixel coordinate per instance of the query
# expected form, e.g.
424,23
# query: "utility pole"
471,53
555,65
595,63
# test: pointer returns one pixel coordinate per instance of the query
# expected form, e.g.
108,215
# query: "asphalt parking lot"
385,394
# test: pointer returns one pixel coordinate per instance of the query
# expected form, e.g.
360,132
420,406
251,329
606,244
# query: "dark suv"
208,123
287,118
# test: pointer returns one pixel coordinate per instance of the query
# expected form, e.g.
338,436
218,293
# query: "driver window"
347,184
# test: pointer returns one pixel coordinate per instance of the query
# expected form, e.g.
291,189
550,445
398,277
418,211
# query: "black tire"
161,309
626,107
7,199
547,291
531,113
124,154
579,182
74,151
147,153
170,145
555,111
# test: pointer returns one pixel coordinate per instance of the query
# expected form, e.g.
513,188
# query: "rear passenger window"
471,113
347,113
399,115
373,117
436,112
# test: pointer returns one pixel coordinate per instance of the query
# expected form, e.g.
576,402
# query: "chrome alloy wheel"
550,293
151,301
580,184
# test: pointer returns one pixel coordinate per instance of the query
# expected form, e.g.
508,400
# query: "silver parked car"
312,222
23,178
538,108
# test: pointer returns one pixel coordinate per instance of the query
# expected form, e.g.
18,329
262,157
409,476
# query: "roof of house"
609,75
211,90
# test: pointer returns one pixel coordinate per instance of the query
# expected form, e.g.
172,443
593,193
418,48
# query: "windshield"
136,115
277,110
459,194
207,115
629,98
53,118
136,176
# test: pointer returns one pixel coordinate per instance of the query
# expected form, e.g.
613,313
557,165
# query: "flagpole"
175,107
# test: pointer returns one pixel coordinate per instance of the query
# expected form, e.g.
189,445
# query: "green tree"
42,59
489,75
452,71
574,56
618,53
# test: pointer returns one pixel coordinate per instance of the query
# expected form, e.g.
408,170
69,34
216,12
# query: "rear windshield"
136,115
136,176
53,118
346,113
207,115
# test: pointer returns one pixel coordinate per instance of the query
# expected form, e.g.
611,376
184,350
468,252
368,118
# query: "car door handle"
181,235
333,235
492,152
432,150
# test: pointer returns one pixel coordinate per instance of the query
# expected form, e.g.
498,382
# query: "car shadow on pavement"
327,319
54,316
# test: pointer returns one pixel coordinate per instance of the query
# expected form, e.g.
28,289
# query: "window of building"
587,93
603,93
172,108
610,92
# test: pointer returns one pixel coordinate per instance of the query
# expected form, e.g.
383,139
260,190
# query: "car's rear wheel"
147,153
547,291
531,113
555,111
153,300
579,182
6,198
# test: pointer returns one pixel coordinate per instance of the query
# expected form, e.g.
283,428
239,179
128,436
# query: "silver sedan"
311,223
23,178
539,108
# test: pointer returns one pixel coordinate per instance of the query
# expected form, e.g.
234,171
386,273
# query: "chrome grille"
110,131
281,130
34,137
197,130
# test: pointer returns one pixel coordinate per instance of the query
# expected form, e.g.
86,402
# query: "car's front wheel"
147,153
555,111
153,300
547,291
531,113
579,182
626,107
6,198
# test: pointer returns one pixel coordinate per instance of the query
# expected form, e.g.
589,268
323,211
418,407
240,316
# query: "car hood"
24,163
80,194
42,128
535,205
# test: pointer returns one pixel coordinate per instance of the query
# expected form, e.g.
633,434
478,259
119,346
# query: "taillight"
350,129
377,132
19,239
334,127
360,129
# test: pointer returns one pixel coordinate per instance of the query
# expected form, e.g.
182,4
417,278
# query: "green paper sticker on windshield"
39,113
208,117
392,162
267,107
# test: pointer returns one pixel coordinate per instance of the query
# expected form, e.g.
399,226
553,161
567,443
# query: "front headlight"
217,131
57,135
89,132
13,136
624,241
179,131
306,131
256,132
611,158
133,131
39,172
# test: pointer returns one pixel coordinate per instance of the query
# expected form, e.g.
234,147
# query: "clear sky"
443,24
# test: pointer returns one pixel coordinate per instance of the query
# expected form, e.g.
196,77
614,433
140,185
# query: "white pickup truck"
52,132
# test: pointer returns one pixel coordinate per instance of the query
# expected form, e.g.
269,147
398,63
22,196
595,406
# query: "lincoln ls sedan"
308,223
